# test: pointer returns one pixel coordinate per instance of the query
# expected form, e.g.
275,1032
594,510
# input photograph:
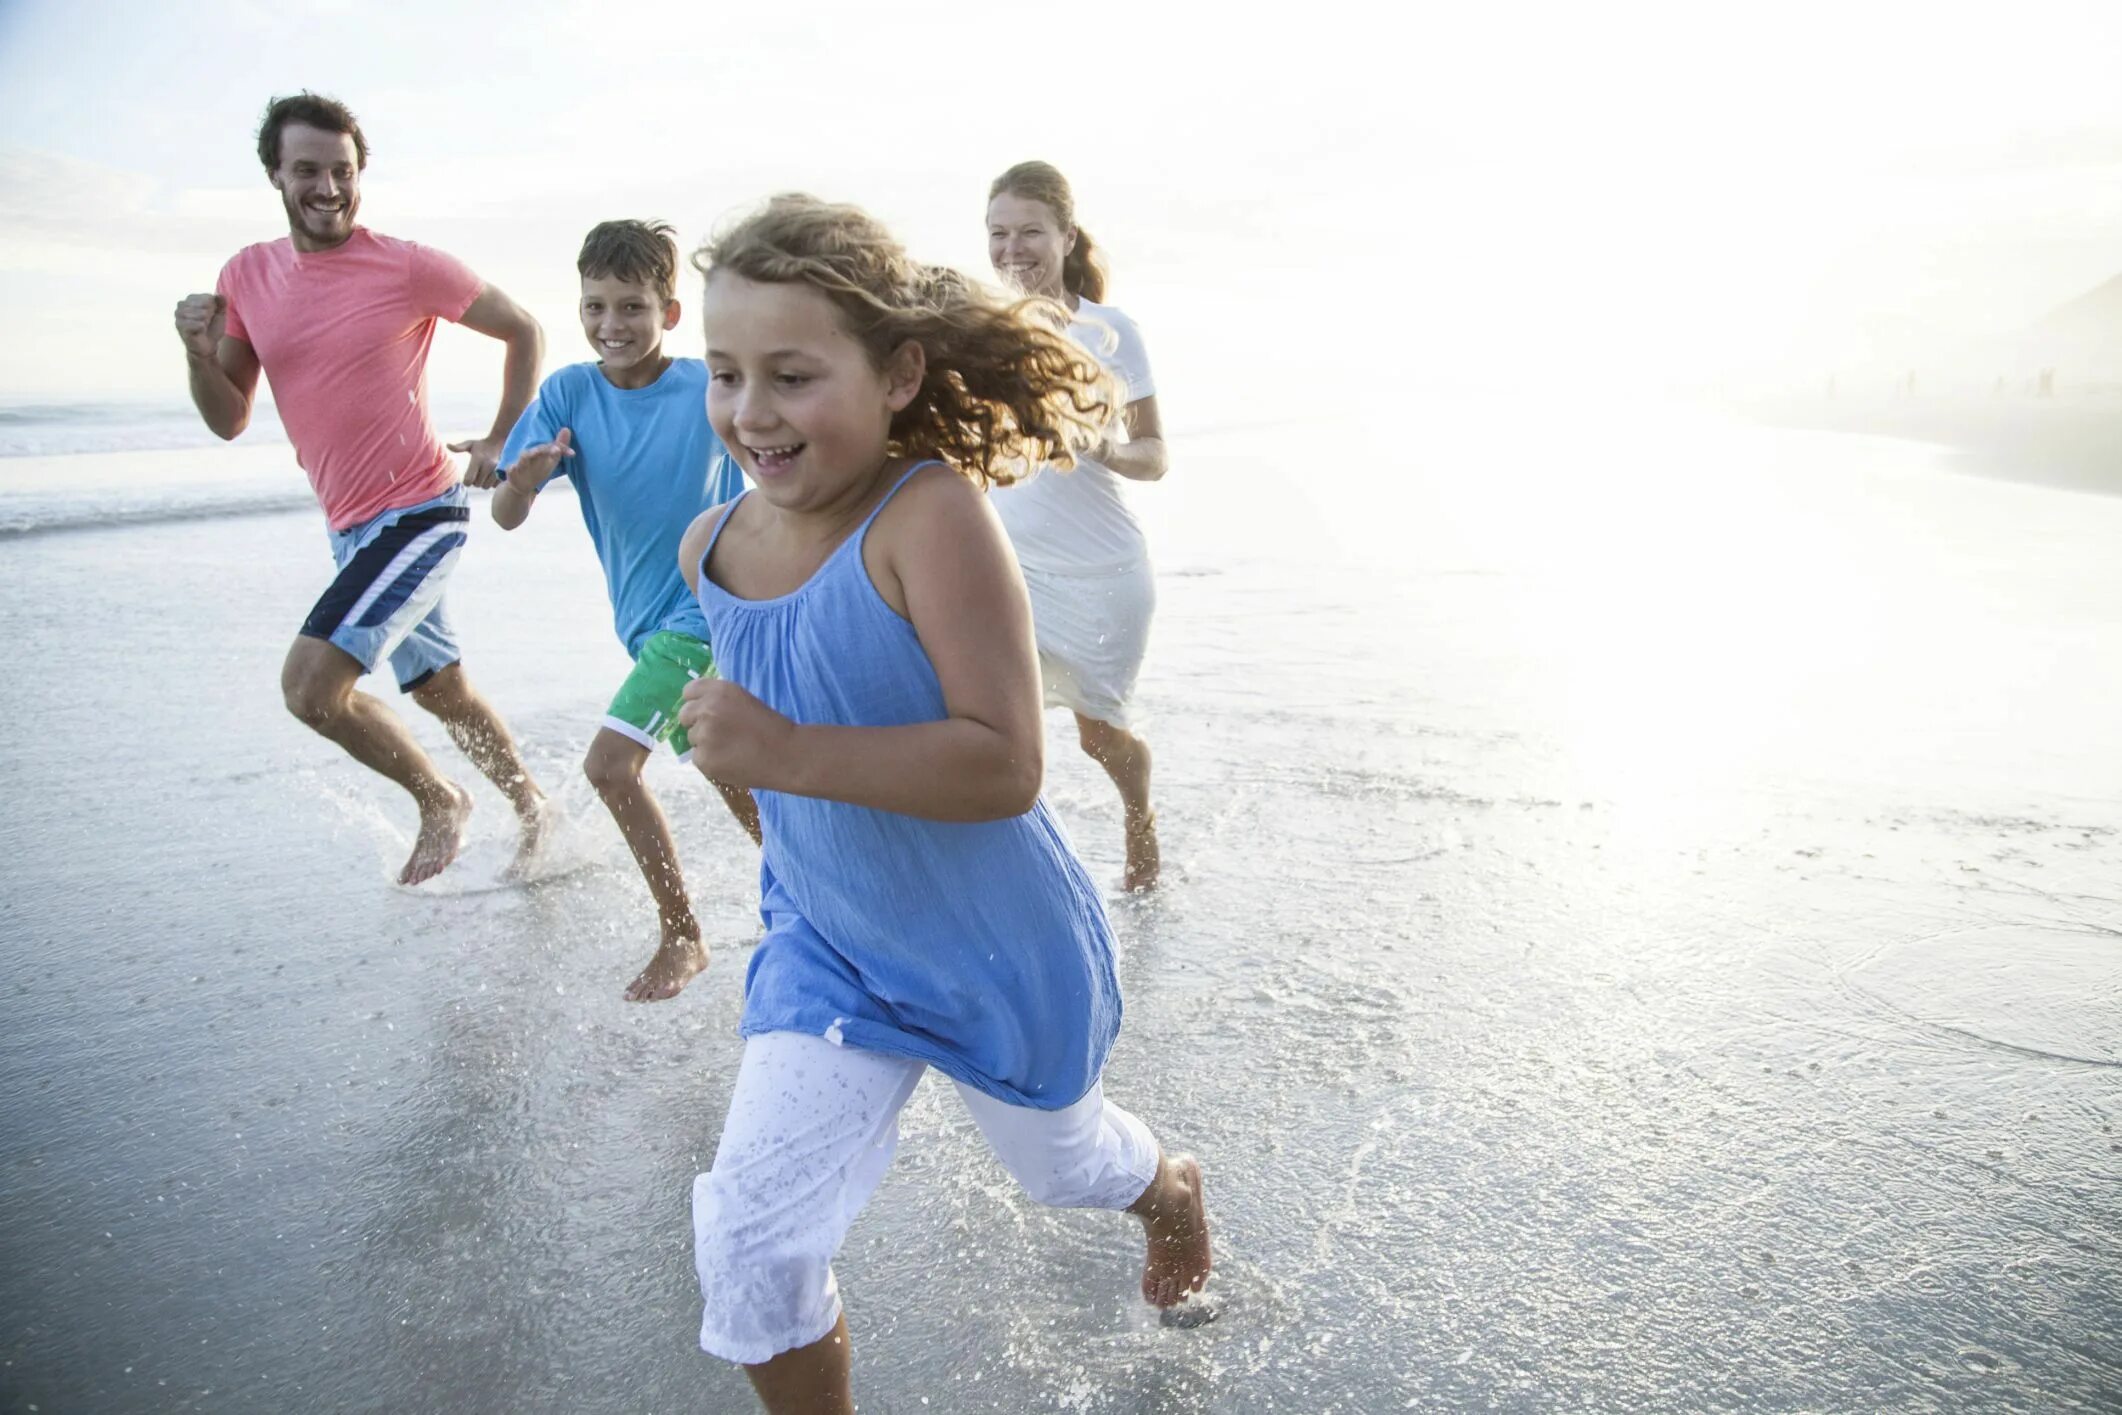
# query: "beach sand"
1641,934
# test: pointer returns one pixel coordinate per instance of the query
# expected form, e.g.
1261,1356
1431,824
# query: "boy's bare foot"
1176,1223
534,823
441,835
1143,861
681,958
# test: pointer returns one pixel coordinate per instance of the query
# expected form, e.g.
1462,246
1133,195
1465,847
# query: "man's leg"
483,737
317,681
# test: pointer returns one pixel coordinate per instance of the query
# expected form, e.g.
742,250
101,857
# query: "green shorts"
646,705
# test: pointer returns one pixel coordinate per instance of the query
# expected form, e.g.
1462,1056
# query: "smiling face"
624,321
1027,245
319,181
794,396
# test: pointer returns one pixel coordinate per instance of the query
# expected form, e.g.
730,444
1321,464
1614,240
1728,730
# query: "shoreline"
2069,443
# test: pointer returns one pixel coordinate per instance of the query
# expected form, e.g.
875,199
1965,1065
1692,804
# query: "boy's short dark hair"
312,110
638,252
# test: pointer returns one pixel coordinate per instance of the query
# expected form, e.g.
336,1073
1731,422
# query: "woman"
1084,556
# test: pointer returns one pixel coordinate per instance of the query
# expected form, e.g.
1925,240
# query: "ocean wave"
30,516
70,429
64,429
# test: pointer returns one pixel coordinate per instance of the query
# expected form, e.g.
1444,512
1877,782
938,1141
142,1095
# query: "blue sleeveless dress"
982,949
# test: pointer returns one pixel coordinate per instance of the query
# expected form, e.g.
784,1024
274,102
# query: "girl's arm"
938,556
1142,456
693,544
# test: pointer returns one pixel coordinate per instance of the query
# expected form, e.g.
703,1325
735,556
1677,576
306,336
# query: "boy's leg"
646,708
317,681
810,1132
1094,1155
614,767
741,805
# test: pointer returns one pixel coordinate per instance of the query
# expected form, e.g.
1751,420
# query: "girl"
1084,555
880,695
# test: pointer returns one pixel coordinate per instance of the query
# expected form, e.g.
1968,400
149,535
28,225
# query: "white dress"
1085,558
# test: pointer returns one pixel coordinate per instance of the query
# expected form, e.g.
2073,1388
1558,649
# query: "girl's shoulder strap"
700,570
878,509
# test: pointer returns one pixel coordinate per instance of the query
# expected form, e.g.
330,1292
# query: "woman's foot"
1143,861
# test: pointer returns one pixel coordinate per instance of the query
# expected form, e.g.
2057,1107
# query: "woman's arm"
938,556
1142,457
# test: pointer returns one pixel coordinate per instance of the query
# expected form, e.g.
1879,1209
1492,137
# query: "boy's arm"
499,317
984,760
223,369
521,483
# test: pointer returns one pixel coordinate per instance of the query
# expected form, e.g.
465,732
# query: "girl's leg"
810,1380
1094,1155
810,1133
1125,758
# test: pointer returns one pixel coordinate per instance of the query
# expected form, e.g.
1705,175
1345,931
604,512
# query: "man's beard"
336,223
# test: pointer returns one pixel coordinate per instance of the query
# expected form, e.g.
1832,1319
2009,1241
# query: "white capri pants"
810,1133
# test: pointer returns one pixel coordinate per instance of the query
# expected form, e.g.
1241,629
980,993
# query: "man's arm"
498,317
224,371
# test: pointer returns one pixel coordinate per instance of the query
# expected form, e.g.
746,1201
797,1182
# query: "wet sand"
1642,935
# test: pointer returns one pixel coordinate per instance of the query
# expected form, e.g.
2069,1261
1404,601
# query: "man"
340,319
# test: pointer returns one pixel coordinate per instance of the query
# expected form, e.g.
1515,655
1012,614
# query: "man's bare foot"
1176,1223
681,958
1143,861
534,823
441,835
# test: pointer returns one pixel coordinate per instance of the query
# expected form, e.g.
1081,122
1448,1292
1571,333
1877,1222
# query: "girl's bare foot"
1176,1223
441,835
681,958
1143,861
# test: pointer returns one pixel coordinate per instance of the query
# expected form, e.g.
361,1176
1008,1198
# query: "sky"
1499,193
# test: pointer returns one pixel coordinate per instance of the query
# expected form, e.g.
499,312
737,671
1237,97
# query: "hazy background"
1642,194
1640,929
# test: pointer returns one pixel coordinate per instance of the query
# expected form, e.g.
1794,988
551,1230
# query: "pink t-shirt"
343,337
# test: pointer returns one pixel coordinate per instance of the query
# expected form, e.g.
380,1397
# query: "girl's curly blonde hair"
1006,388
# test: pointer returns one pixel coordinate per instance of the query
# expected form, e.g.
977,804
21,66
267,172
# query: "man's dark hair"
638,252
312,110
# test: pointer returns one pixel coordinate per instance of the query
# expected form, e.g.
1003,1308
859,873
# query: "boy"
631,429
